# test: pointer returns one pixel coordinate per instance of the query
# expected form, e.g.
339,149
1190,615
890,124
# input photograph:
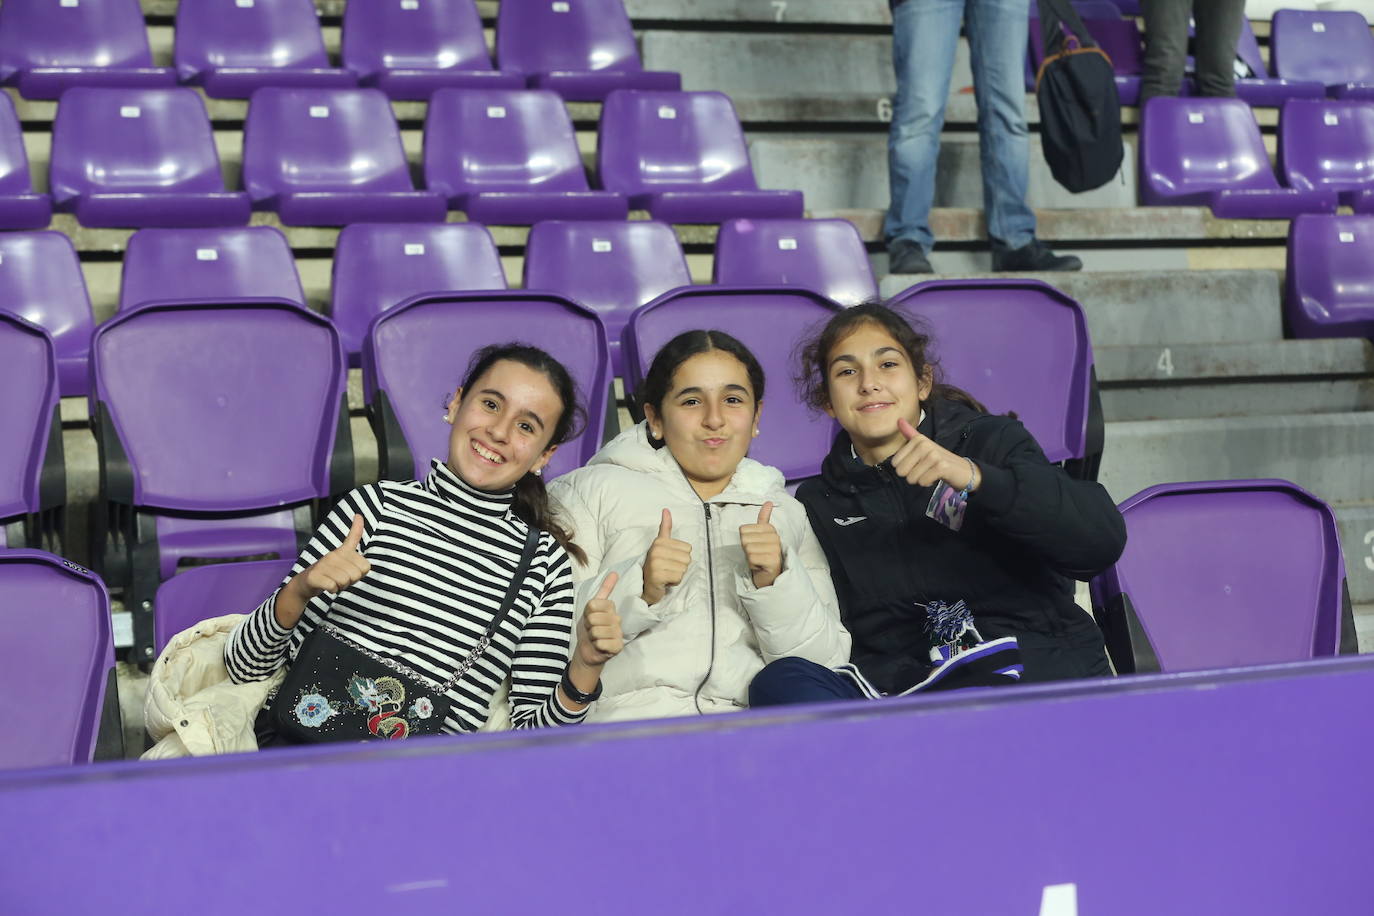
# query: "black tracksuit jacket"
1027,531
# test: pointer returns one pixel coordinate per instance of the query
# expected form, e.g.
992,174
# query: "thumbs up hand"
336,570
762,548
920,462
599,638
666,562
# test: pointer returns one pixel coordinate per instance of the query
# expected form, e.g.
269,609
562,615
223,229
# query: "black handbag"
337,690
1080,111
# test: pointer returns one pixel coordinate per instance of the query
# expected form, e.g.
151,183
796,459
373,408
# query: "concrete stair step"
1357,542
1364,626
1267,360
1225,398
828,12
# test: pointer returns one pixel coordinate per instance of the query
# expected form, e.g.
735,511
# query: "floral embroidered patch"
313,710
422,708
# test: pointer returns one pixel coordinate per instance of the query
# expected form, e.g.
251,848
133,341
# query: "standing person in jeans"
925,34
1166,46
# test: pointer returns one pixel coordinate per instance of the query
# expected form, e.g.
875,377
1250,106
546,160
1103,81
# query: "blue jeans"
925,34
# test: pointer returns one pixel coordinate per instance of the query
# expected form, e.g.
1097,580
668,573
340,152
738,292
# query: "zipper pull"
707,507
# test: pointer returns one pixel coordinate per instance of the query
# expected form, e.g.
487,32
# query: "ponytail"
532,507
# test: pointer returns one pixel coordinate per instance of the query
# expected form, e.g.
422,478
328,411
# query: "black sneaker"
1033,257
907,257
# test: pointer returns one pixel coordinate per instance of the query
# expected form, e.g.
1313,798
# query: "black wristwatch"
576,695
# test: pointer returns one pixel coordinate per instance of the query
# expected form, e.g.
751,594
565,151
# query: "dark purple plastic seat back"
1330,277
212,591
57,619
193,264
767,321
20,207
1328,145
330,157
582,49
824,255
139,157
221,408
377,266
410,48
41,280
28,376
48,46
611,267
1330,47
1038,364
415,355
232,47
1229,573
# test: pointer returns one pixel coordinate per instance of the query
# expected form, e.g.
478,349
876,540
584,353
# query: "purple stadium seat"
41,280
823,255
581,49
20,207
329,157
1222,574
767,321
610,267
1118,38
419,350
139,157
509,156
33,484
232,47
218,428
1333,48
1260,88
211,591
1328,145
48,46
1208,152
1038,364
377,266
56,617
182,264
681,156
1329,284
409,48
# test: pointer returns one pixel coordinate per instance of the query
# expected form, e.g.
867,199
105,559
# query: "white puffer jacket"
613,507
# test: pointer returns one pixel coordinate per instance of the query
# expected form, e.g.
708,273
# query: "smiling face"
871,384
707,419
502,424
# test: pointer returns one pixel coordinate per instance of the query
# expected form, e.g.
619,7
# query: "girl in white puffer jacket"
719,571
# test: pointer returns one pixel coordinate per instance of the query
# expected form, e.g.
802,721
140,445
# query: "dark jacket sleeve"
1072,525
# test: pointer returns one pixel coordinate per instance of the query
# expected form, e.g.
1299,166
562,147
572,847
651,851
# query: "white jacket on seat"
689,650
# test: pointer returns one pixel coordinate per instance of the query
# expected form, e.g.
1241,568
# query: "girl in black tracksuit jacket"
1028,528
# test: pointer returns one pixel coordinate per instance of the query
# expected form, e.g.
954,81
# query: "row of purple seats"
147,157
582,49
1332,49
33,486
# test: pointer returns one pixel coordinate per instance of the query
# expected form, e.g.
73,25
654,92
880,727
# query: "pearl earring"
538,472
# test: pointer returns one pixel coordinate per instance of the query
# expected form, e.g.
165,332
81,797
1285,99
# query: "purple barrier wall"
1225,792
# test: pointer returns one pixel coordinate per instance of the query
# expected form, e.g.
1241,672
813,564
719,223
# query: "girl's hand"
920,462
666,562
762,548
336,570
599,638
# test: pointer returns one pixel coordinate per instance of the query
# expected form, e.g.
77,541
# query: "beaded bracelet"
972,476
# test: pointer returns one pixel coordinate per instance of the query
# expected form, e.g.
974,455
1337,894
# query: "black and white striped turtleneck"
442,554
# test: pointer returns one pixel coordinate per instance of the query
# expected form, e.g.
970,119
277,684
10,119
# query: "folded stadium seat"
329,157
681,156
420,348
612,267
41,280
1333,48
769,321
20,207
1118,37
1222,574
212,591
219,427
60,667
1328,145
377,266
33,482
1329,283
48,46
509,156
1204,151
139,157
232,47
823,255
190,264
1260,88
409,48
1038,364
581,49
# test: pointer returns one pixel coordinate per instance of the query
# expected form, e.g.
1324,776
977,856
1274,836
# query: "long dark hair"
910,332
531,499
683,347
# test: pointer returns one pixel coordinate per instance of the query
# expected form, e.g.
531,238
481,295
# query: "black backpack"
1080,113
